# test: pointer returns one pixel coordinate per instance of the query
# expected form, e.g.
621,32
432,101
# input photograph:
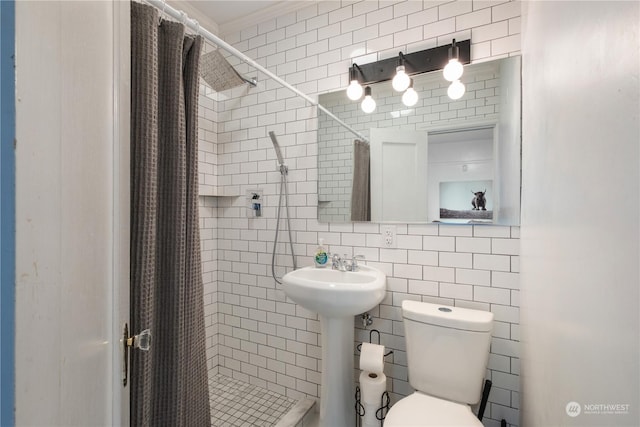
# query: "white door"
72,212
122,207
398,175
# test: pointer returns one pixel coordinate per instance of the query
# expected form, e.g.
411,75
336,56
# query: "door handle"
142,341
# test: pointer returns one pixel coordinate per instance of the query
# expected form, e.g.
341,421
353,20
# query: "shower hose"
284,185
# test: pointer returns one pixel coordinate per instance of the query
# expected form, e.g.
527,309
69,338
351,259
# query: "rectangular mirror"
440,160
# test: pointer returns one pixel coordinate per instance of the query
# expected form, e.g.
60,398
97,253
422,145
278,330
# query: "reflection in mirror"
461,171
438,161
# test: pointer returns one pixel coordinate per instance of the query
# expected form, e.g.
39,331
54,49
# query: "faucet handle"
347,264
354,262
336,262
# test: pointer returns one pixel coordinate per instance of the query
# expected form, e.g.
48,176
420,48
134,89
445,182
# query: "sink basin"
336,293
336,296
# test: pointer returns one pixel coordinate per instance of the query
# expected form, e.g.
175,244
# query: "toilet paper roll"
372,358
372,386
369,419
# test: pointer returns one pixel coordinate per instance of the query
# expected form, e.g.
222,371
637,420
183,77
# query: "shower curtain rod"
195,26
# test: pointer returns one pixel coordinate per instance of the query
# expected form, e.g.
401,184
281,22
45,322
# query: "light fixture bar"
414,63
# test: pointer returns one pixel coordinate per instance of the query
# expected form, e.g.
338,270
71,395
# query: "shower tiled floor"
238,404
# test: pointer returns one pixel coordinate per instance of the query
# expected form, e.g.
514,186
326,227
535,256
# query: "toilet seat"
422,410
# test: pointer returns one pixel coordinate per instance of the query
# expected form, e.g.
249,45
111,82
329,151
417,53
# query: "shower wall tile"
254,333
209,228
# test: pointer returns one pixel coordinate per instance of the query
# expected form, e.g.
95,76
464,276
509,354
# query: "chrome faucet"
343,264
337,263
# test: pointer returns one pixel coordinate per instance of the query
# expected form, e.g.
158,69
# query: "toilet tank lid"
448,316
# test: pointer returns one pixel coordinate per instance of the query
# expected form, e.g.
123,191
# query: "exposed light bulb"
401,80
453,70
368,103
456,90
354,91
410,97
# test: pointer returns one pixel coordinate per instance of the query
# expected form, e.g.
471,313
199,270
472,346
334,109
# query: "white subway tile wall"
254,333
208,173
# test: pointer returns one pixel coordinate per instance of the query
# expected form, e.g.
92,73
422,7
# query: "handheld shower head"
276,146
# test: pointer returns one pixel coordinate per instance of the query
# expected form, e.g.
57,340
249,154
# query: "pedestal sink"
336,296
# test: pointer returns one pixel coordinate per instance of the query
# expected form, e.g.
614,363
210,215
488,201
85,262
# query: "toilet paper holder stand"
359,346
385,400
381,412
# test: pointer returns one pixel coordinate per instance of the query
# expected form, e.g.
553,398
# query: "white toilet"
447,355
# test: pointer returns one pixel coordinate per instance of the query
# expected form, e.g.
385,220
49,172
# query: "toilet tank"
447,349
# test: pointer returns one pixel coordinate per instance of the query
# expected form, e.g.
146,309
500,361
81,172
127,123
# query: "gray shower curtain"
361,187
169,385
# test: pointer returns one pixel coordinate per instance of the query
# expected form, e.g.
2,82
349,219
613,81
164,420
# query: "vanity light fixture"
454,69
410,96
368,103
400,69
401,80
354,91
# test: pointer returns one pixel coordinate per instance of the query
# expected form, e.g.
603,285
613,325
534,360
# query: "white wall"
580,212
267,340
67,214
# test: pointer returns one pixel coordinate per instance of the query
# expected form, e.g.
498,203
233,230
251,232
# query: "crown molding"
274,11
194,13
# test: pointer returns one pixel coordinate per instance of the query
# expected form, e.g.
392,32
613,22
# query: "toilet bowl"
420,409
447,355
